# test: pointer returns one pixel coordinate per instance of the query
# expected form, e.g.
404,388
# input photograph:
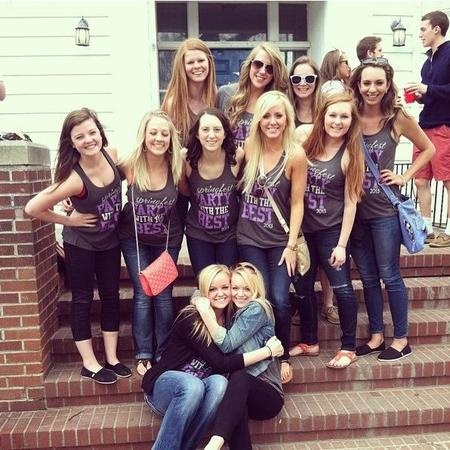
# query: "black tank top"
214,207
106,203
324,194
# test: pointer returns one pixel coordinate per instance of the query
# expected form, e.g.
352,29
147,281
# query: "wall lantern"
398,33
82,33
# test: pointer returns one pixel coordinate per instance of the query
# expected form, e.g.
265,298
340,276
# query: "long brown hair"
314,145
330,65
176,100
68,156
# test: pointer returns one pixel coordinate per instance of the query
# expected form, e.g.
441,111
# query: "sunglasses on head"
297,79
375,60
257,64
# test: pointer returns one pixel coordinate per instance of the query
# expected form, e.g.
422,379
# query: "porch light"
82,33
398,33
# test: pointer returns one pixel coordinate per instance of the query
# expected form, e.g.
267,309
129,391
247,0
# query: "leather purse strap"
276,210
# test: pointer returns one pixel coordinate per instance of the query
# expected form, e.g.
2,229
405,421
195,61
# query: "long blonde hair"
256,142
205,279
176,100
239,101
137,160
254,280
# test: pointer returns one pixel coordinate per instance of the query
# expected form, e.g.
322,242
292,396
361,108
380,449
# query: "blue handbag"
412,225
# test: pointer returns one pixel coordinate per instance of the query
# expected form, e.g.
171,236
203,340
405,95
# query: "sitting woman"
256,392
184,386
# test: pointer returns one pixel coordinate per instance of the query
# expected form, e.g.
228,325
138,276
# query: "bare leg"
110,339
377,339
87,354
327,292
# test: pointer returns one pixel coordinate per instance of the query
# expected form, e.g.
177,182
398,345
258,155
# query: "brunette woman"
185,386
86,173
333,189
262,71
192,87
305,95
336,72
376,238
275,163
153,170
212,165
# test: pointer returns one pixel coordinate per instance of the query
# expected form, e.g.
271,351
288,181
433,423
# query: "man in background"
369,47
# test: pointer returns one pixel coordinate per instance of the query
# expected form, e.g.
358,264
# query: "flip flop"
341,354
304,350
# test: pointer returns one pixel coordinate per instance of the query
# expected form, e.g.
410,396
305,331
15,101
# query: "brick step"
305,416
427,441
428,365
426,326
423,292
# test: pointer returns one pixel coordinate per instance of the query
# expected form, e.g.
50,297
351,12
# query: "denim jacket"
250,331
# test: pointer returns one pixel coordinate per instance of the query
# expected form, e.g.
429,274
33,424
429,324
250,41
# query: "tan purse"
303,259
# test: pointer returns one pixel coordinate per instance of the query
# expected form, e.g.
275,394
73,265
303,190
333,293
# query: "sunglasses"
261,182
345,61
374,60
297,79
257,64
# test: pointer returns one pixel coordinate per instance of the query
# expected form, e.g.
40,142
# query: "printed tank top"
153,211
324,194
214,208
258,224
374,203
106,203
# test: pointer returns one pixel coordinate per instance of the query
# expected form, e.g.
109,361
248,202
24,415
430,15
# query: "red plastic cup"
409,96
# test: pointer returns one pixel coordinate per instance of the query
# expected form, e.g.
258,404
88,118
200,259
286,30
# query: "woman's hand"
202,305
338,257
289,256
67,206
77,219
388,177
275,346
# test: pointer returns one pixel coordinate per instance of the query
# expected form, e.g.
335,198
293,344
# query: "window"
171,20
292,22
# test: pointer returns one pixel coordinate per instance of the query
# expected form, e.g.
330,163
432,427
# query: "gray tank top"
214,208
258,224
106,203
374,203
153,211
324,194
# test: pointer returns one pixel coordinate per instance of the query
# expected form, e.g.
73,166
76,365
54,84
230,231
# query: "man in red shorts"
434,93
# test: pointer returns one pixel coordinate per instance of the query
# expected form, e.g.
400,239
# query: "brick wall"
28,279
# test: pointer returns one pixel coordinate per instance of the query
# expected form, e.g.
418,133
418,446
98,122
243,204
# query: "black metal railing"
439,203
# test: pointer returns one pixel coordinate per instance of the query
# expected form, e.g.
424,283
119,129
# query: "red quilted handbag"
158,275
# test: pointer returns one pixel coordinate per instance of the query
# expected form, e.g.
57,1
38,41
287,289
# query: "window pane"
291,55
171,20
165,58
292,22
232,22
228,64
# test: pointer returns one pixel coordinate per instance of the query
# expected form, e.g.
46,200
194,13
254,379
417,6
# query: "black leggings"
246,397
82,265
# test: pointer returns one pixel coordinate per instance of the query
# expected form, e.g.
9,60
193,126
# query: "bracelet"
270,351
294,248
403,180
342,246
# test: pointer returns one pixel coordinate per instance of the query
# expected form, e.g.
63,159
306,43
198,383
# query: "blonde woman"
274,162
185,386
153,170
262,71
192,87
336,72
256,392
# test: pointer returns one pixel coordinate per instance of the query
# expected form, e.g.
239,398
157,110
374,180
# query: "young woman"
86,173
184,385
305,96
336,72
334,186
275,163
192,87
262,71
256,392
153,170
212,165
376,239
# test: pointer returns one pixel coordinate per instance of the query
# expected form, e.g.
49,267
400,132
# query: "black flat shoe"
390,354
121,370
103,376
364,350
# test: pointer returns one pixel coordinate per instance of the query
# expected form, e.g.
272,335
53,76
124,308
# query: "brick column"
28,279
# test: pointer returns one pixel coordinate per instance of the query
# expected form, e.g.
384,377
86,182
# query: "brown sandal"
304,350
351,357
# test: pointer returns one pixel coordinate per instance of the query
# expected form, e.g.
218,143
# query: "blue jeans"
203,253
320,245
276,282
375,247
152,316
188,405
